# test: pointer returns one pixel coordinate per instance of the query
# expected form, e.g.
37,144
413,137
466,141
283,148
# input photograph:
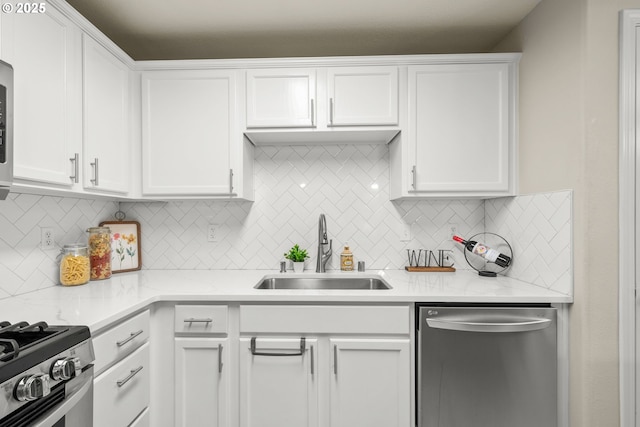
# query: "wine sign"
427,260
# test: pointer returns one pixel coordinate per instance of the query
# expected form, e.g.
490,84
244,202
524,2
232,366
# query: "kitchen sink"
318,283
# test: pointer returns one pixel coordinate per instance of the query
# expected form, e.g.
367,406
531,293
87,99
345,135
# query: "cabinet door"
188,122
106,147
44,49
459,126
363,96
201,390
370,383
278,391
281,98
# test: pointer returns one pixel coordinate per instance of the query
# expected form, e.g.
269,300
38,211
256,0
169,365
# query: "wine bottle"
485,252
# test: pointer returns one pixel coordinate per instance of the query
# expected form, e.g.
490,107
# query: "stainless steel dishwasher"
486,366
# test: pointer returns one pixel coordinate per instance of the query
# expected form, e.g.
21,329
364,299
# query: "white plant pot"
298,267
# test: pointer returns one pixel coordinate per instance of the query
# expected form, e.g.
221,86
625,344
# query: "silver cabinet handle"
132,374
413,177
313,114
519,325
192,320
312,362
76,163
255,352
331,111
230,181
220,347
129,338
95,172
335,360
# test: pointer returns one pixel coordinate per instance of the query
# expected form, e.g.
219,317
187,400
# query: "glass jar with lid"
100,252
74,264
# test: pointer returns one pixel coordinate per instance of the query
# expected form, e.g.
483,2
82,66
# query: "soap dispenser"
346,259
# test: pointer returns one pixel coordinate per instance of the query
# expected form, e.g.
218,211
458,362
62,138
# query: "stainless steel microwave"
6,129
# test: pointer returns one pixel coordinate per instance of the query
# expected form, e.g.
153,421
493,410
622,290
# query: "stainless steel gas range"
46,375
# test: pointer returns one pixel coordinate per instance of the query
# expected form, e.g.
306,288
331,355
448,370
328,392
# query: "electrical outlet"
453,230
406,233
47,239
212,233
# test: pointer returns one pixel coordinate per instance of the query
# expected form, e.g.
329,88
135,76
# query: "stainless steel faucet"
323,256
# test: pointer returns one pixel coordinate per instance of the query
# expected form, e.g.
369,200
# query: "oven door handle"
69,402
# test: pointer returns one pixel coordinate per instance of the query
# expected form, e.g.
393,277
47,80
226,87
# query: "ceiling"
198,29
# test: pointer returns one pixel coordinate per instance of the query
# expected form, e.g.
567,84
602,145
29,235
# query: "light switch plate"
406,233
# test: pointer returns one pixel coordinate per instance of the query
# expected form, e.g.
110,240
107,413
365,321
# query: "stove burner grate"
17,337
9,348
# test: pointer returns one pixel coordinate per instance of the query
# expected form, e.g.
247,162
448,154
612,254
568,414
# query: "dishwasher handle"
518,325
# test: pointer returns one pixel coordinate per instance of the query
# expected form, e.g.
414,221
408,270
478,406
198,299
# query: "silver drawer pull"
76,164
312,362
256,352
128,378
192,320
129,338
95,181
220,358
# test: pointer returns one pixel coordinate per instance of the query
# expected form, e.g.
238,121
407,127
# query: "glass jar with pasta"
100,252
74,265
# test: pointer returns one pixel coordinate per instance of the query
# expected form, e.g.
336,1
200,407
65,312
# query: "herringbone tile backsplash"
24,267
539,229
294,184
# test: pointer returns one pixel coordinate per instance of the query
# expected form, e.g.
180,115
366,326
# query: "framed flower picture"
125,245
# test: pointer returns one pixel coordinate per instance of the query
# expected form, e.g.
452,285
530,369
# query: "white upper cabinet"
281,98
362,96
191,143
44,49
106,147
460,139
322,105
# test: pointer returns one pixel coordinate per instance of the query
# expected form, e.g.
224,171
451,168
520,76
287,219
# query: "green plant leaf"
296,254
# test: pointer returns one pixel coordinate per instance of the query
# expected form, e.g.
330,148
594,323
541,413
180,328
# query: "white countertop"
100,303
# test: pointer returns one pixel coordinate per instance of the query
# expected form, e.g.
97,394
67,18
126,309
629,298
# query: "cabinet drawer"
122,392
122,339
324,319
208,319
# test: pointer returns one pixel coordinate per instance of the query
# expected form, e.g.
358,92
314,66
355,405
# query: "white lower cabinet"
370,384
324,366
368,380
201,389
122,392
282,365
202,368
278,382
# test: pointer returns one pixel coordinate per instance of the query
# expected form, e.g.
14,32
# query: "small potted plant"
297,257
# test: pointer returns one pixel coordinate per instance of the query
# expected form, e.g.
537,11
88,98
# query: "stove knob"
65,369
32,387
